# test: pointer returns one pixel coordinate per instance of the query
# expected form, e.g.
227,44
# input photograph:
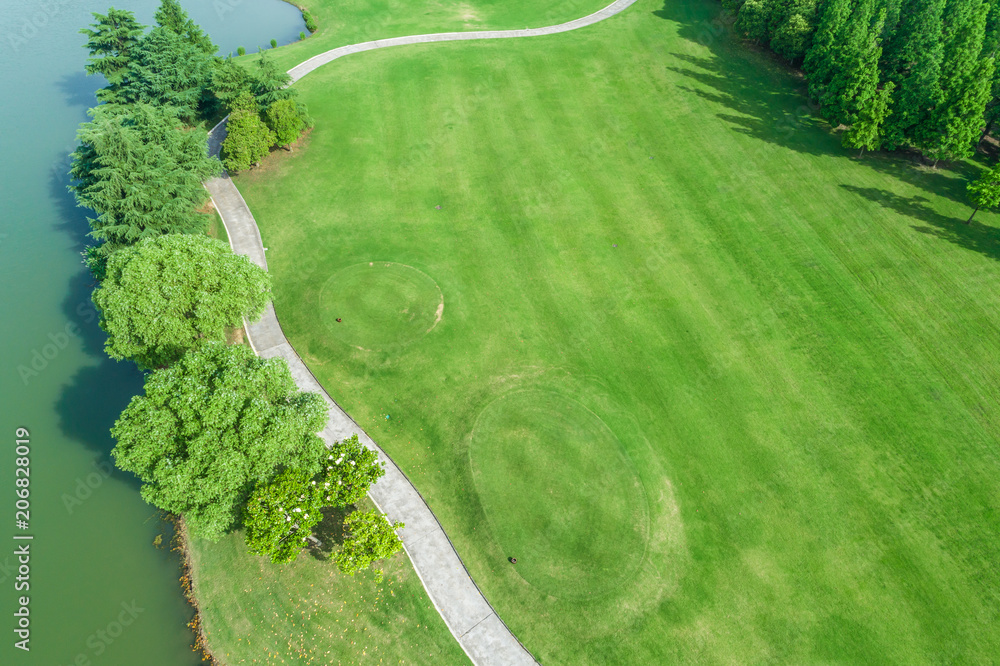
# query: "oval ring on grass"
379,305
560,494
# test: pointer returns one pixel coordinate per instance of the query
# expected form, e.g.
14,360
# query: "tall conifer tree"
954,125
111,41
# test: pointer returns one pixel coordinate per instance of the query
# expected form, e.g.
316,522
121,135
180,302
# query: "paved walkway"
476,626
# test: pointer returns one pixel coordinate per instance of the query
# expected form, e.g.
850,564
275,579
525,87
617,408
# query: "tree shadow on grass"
976,236
330,532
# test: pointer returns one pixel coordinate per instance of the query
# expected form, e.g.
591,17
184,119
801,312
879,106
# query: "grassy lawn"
353,21
308,613
727,393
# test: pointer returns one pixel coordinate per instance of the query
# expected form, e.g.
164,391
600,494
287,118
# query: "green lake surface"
100,591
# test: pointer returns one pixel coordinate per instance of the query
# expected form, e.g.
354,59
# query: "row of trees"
898,73
219,436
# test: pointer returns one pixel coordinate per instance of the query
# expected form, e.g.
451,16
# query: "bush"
248,140
241,51
310,22
302,35
283,119
274,43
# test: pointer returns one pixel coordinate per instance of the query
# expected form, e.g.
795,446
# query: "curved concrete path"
477,627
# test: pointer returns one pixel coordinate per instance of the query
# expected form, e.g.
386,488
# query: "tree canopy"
167,70
248,140
369,537
280,515
212,426
141,172
172,16
111,41
984,191
166,295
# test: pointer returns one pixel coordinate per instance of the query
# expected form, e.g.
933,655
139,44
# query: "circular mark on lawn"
376,306
559,491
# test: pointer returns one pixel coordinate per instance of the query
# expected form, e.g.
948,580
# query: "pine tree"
857,55
912,60
172,16
821,61
141,173
866,132
953,126
165,70
111,41
270,83
229,81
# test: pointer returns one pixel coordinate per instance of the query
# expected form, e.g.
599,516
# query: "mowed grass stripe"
792,347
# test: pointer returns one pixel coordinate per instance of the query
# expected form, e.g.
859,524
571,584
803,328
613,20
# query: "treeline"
918,74
220,436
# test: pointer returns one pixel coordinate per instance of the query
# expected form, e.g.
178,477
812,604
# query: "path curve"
470,618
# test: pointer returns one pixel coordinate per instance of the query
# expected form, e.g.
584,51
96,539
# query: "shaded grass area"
795,351
344,22
306,612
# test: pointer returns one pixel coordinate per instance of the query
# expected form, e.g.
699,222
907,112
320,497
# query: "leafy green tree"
913,58
229,81
172,16
141,173
954,124
111,40
279,516
270,83
248,139
212,426
369,537
282,117
169,294
349,470
984,192
866,132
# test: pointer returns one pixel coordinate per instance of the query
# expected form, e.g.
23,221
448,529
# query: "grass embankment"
344,22
255,612
666,301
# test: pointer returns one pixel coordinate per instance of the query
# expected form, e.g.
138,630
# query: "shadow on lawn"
330,532
975,236
762,97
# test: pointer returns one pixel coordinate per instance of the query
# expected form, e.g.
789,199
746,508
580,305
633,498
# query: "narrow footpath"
477,627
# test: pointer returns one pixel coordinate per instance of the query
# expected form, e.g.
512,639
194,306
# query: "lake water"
101,592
